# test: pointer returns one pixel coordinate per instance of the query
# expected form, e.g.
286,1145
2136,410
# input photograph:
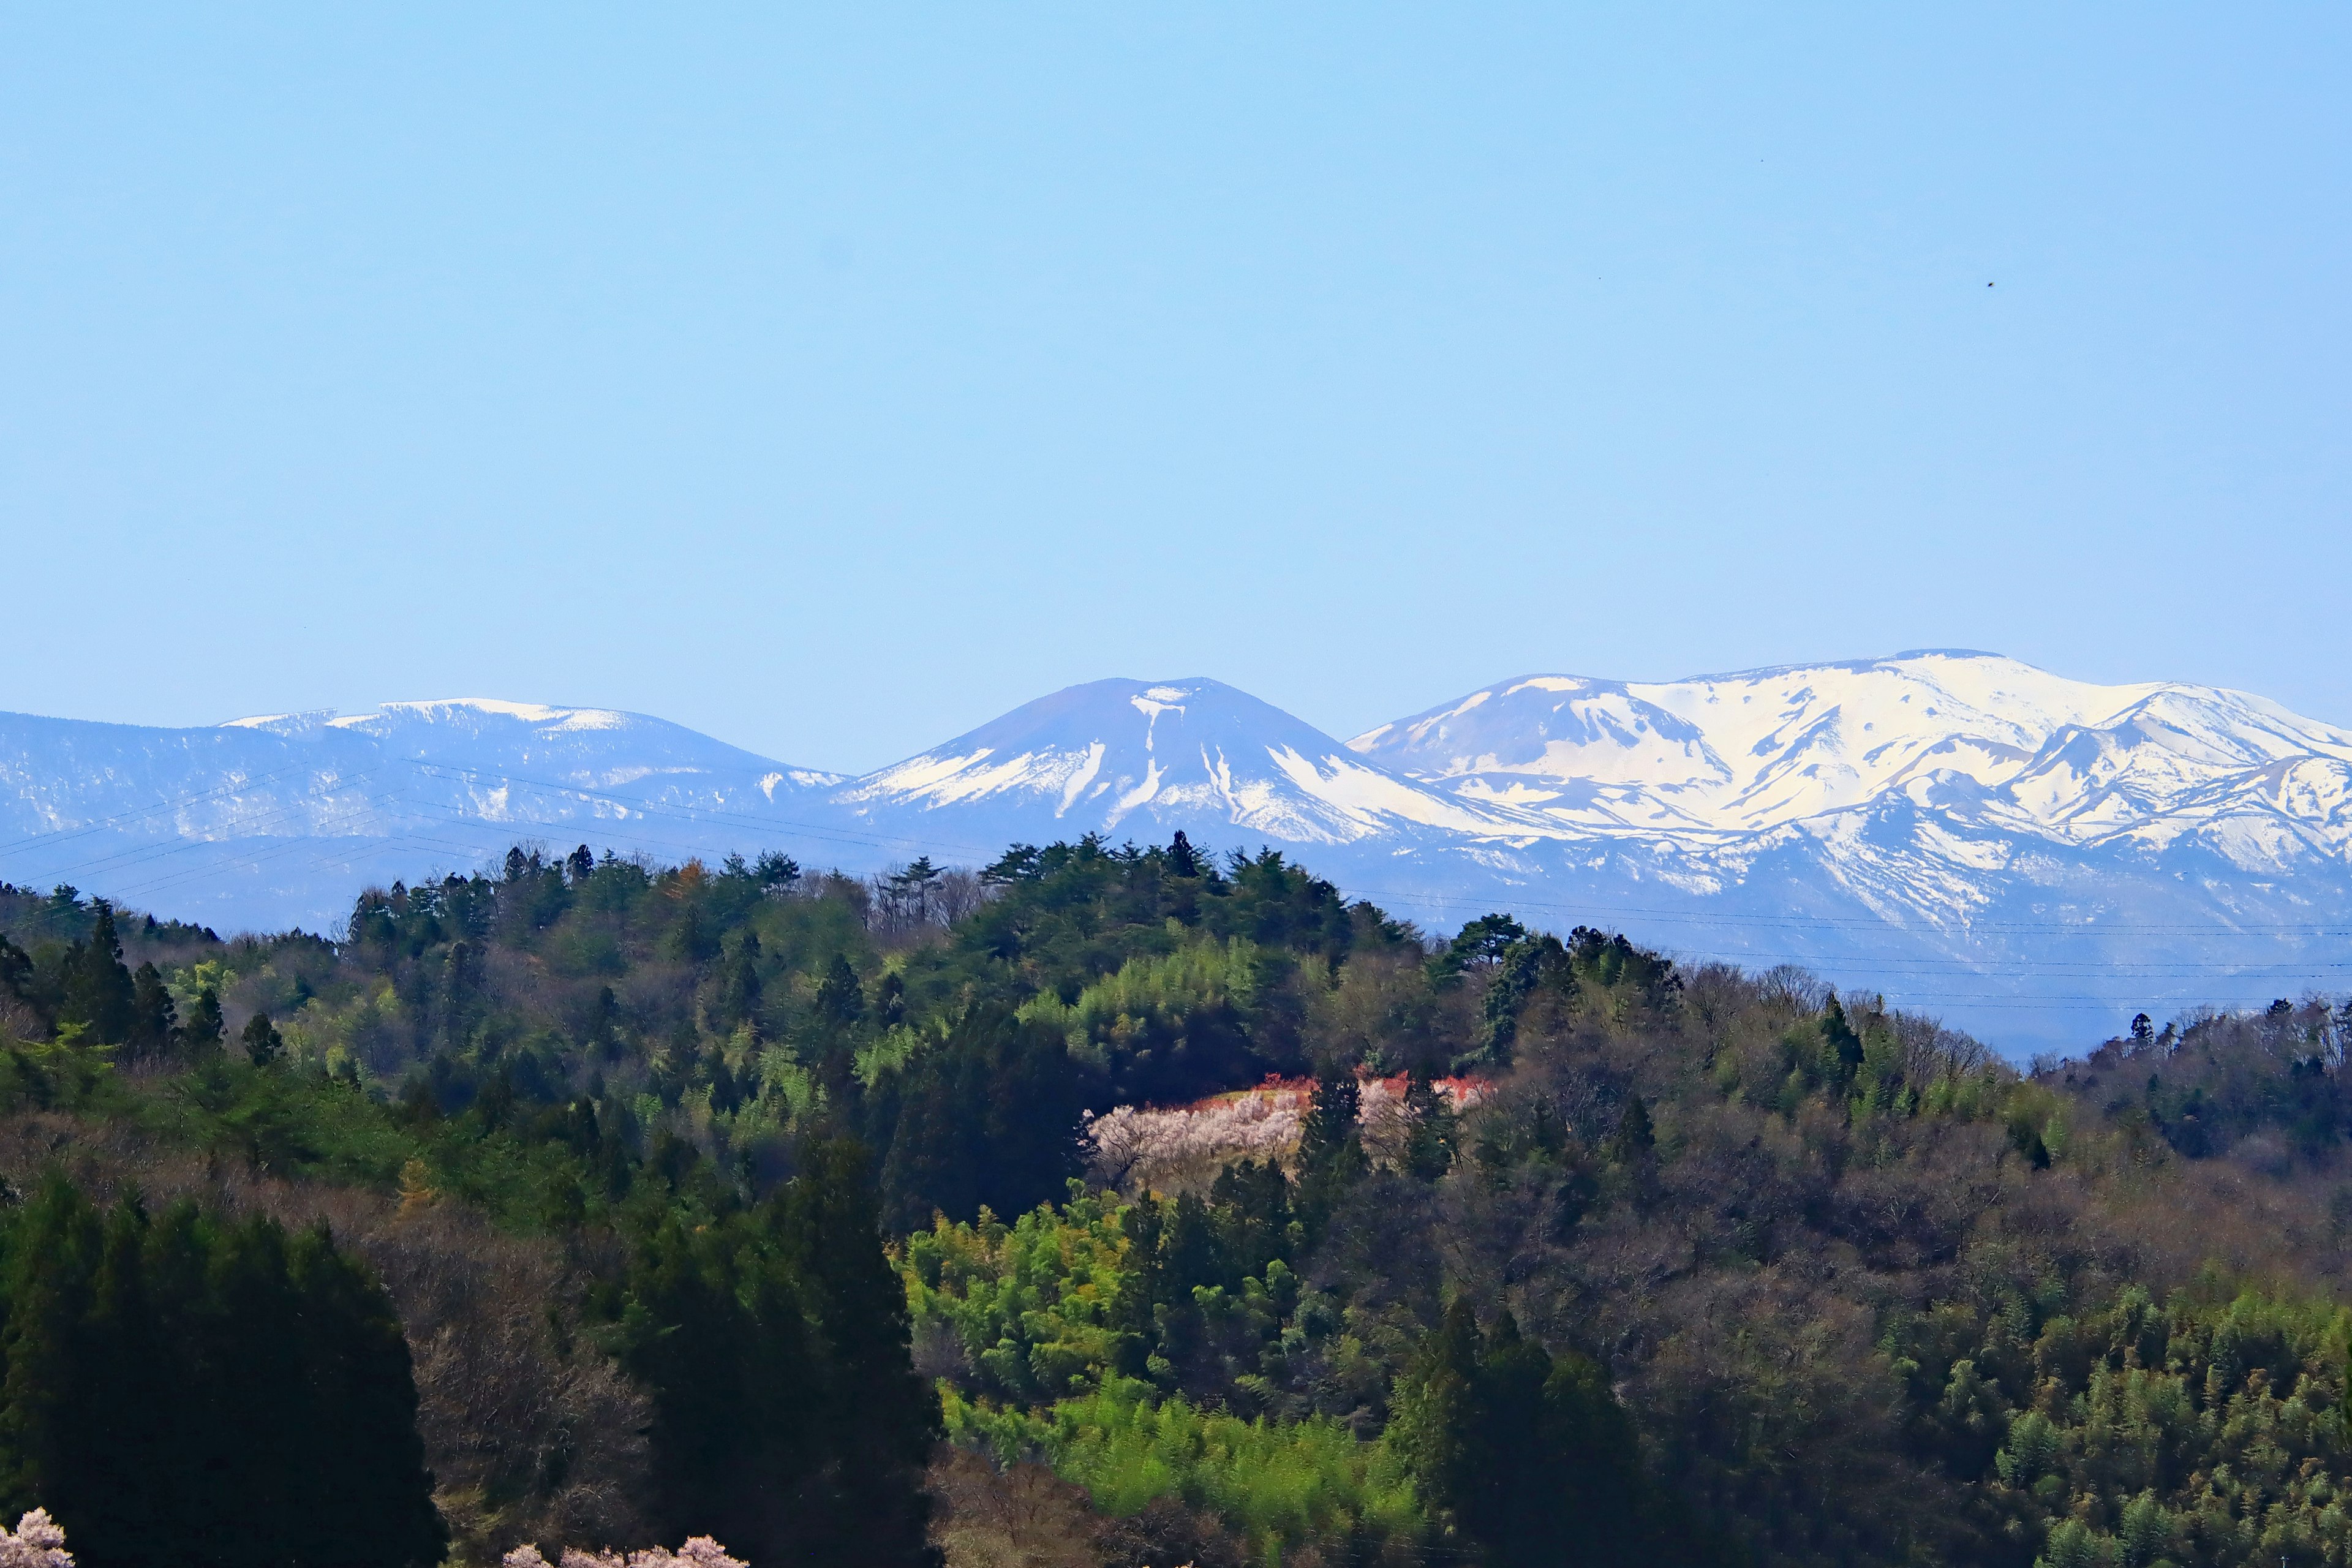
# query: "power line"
66,835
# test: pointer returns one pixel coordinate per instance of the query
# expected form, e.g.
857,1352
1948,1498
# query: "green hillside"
740,1202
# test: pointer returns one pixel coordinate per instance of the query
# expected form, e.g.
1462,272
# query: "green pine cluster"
184,1389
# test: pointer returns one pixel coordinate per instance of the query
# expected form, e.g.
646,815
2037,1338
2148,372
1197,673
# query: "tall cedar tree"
193,1392
987,1116
16,971
100,993
263,1045
788,1419
1530,1457
202,1035
155,1021
1330,1148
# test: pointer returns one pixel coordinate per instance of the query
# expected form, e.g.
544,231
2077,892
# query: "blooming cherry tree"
702,1551
35,1543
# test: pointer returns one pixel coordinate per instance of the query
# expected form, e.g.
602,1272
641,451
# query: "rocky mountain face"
2033,857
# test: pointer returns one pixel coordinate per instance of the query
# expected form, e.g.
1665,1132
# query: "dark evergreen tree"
204,1033
788,1420
461,980
1254,1226
16,969
155,1020
1841,1047
581,865
691,939
1635,1137
1531,1458
1430,1128
724,1095
987,1116
1330,1148
1182,860
99,994
739,984
908,893
1482,943
880,1417
263,1044
193,1393
840,999
890,1001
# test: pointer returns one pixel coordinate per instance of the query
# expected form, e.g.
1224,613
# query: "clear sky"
832,380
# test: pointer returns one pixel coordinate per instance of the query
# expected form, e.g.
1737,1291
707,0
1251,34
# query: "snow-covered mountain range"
2033,857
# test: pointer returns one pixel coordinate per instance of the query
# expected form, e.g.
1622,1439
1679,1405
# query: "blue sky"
830,380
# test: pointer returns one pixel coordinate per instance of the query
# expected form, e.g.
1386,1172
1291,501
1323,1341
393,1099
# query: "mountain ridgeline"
616,1201
2033,857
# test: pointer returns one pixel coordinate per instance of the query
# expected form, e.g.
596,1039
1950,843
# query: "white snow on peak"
1198,754
1747,754
1081,777
527,713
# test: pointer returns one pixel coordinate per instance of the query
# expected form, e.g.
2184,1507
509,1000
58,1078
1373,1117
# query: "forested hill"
784,1208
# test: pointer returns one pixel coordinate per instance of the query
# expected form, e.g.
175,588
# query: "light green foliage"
2200,1433
1282,1484
1047,1311
894,1050
1161,990
1035,1306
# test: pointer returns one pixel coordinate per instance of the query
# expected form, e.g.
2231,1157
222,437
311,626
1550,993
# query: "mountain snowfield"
1991,742
2032,857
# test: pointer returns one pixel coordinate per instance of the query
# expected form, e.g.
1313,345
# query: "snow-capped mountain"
1982,739
276,820
1971,833
2033,857
1142,759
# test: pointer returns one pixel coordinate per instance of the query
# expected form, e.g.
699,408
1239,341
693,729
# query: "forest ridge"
2031,857
613,1202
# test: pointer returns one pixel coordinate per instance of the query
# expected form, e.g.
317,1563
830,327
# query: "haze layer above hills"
2034,857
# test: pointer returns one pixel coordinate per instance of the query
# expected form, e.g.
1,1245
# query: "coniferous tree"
840,998
196,1393
99,994
1531,1458
987,1116
1635,1137
1429,1134
16,969
1330,1148
788,1419
881,1417
155,1021
890,1001
1183,861
461,975
263,1044
1251,1202
1841,1047
205,1030
739,986
1519,969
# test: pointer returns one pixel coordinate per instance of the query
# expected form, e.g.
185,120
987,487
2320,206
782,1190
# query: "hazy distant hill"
2034,857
